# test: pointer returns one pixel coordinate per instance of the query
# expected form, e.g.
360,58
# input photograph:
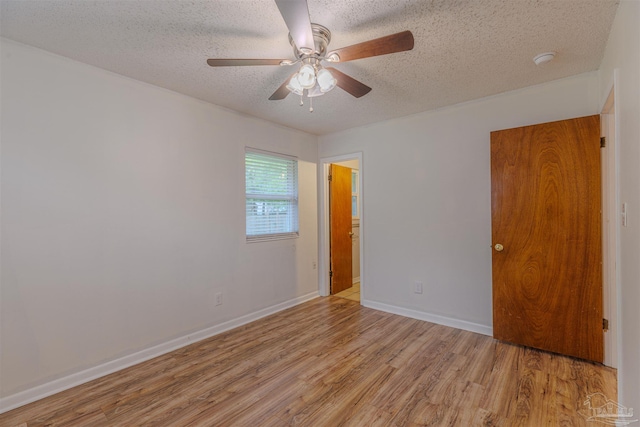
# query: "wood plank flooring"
331,362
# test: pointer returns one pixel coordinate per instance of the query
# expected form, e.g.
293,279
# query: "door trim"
610,125
323,222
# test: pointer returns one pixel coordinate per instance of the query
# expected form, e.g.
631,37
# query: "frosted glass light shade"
294,85
326,81
307,76
315,91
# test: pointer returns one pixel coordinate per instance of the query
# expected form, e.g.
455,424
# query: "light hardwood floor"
332,362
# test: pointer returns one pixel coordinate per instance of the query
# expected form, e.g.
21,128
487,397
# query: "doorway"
356,226
344,234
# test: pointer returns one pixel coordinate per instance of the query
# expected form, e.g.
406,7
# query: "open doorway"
341,227
344,230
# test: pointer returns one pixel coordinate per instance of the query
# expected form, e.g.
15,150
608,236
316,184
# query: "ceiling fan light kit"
294,85
326,81
307,76
314,39
315,79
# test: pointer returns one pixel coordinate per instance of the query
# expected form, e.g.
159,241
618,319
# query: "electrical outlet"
624,214
314,265
417,288
219,298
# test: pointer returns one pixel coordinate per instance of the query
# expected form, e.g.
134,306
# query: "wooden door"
340,223
547,276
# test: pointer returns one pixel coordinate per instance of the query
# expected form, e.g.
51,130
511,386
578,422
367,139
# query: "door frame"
610,125
324,281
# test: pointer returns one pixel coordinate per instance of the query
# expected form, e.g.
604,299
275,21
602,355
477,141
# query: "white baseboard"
41,391
355,280
429,317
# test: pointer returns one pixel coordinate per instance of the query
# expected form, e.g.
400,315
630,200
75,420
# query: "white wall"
123,215
427,205
623,53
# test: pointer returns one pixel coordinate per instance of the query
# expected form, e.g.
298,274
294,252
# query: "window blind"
271,182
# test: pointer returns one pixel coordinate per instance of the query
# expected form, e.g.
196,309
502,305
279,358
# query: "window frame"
292,198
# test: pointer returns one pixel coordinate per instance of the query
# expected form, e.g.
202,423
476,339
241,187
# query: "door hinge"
330,177
330,282
603,142
605,324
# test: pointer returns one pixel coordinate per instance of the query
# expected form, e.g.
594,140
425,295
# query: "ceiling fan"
310,42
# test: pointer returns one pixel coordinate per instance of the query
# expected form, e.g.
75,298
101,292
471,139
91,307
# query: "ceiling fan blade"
296,16
240,62
282,91
393,43
349,84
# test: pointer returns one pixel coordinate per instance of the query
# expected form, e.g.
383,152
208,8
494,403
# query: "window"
271,182
355,194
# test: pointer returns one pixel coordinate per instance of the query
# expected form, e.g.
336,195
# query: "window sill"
272,237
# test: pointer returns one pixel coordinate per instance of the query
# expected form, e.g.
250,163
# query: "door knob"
351,234
498,247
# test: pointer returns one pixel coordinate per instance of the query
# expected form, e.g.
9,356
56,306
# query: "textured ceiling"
464,49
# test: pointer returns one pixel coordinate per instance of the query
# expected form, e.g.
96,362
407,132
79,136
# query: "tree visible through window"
271,195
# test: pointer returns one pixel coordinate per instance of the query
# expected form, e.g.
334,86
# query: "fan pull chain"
311,105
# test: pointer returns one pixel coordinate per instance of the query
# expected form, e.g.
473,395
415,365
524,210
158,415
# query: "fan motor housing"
321,39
